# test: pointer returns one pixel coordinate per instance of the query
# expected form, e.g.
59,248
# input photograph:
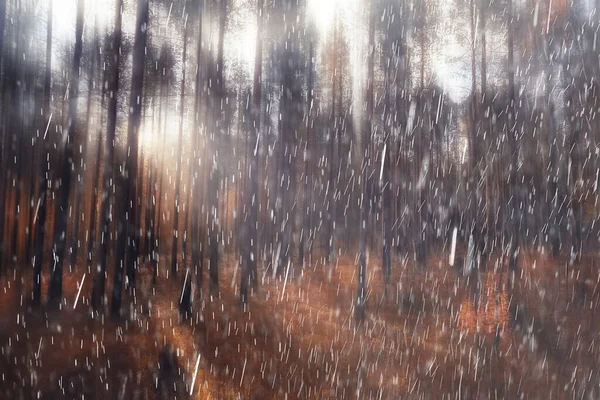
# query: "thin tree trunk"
512,142
197,182
214,236
364,204
249,270
387,182
3,136
178,168
331,186
306,236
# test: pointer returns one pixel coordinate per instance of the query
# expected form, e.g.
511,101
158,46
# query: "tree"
179,178
217,102
335,119
365,198
512,144
250,245
55,289
573,107
306,235
105,210
131,163
197,184
3,136
40,220
79,215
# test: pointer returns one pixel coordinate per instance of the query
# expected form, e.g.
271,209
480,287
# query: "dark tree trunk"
197,185
214,177
82,165
40,219
3,136
105,209
62,212
131,163
16,131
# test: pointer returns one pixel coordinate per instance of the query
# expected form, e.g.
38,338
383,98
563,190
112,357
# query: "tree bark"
40,215
107,190
131,163
250,246
179,175
364,204
55,289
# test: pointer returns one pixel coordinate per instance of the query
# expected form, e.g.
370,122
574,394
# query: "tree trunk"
179,175
306,235
82,166
364,204
107,189
331,185
40,219
3,136
386,182
131,163
60,230
197,182
214,177
512,143
250,246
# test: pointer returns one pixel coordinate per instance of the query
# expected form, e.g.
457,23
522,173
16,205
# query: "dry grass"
434,336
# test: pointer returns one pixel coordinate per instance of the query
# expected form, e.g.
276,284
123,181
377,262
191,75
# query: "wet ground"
438,334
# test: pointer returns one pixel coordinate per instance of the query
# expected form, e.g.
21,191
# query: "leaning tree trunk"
55,289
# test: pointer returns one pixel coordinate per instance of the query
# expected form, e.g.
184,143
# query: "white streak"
195,373
184,282
453,247
382,162
47,126
79,291
287,271
243,371
37,355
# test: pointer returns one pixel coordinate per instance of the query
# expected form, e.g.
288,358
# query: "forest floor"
433,336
